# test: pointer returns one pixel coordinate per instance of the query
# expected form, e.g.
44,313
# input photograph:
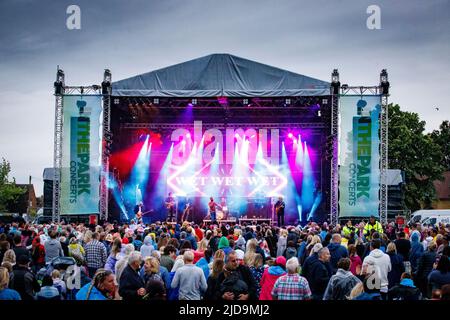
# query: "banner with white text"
359,156
80,172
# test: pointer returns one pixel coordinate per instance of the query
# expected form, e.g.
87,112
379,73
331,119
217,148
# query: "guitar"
170,204
278,208
185,212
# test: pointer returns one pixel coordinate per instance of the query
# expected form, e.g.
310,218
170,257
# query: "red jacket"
38,252
199,234
269,277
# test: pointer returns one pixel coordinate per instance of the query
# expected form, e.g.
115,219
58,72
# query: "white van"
421,215
435,220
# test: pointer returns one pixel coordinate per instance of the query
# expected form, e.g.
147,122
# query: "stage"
245,147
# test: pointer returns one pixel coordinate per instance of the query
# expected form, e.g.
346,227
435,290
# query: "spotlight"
319,114
155,101
335,84
194,102
236,135
295,141
287,101
290,135
222,100
183,142
384,83
245,101
188,135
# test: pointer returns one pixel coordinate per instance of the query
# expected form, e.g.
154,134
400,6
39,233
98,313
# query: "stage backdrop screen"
80,172
247,168
359,157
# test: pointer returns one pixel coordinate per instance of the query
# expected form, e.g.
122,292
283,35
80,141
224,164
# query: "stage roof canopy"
220,75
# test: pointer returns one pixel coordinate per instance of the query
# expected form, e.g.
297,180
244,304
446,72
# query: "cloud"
307,37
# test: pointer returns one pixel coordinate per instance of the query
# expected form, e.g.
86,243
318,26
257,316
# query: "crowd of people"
224,262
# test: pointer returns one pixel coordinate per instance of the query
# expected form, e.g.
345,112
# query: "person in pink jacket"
270,276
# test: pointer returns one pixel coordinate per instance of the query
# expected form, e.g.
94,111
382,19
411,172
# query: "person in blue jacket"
337,251
5,292
102,287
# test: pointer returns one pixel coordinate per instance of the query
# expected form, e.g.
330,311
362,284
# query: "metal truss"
57,151
218,103
77,90
106,141
173,126
334,186
384,158
372,90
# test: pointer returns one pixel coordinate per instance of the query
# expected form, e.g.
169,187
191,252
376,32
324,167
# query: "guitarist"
279,210
138,209
212,209
186,212
170,205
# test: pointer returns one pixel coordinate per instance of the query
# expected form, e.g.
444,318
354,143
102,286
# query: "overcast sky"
136,36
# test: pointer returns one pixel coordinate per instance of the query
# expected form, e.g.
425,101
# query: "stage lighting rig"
384,83
59,83
106,84
335,84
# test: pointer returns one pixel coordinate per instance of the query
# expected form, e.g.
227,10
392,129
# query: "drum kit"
222,213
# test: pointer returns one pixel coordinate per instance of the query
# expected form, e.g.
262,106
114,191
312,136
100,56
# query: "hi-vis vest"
377,227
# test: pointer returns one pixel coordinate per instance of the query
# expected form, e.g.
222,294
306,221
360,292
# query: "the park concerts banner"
80,154
359,158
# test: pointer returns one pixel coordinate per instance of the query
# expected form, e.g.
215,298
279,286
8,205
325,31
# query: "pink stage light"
290,135
183,142
236,135
188,135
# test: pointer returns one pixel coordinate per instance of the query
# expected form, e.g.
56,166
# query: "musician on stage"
224,208
212,209
187,211
138,210
279,210
170,205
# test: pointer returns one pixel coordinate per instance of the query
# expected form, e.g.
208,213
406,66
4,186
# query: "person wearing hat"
24,281
270,276
224,245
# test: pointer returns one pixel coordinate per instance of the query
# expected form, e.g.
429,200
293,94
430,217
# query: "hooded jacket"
53,249
340,285
269,277
406,290
381,264
111,263
416,250
319,276
147,248
95,294
397,268
337,251
224,244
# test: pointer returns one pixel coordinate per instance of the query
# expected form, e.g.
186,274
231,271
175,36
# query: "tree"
417,154
442,138
9,192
